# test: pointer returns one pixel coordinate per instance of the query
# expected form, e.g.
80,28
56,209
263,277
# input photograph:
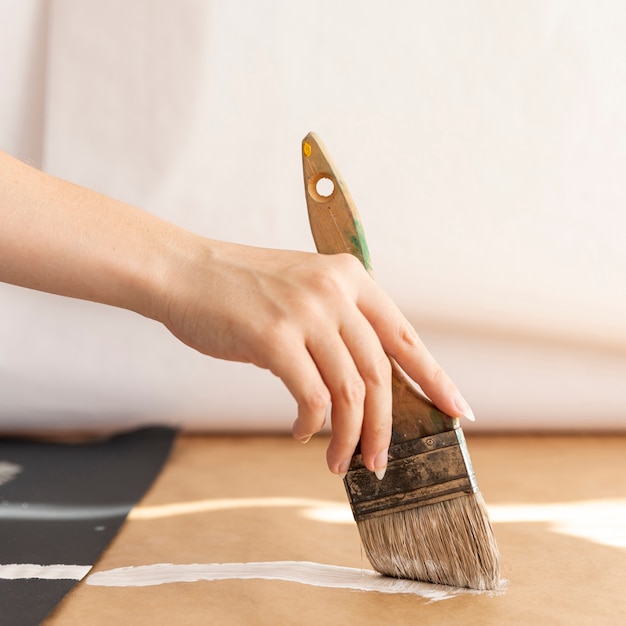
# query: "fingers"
374,369
421,366
348,393
329,345
339,369
302,378
401,341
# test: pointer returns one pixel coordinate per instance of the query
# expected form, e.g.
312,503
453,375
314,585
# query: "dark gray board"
64,504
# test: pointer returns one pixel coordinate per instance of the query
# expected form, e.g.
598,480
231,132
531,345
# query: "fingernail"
469,414
464,408
342,470
380,463
298,427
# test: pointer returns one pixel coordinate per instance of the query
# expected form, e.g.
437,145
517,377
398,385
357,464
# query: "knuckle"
333,272
326,280
378,372
352,392
438,374
315,400
435,376
408,336
277,335
378,429
349,263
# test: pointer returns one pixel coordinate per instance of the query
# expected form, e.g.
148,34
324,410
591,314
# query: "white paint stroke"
8,471
61,512
304,572
18,571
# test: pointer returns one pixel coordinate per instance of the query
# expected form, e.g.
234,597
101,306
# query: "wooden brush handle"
336,227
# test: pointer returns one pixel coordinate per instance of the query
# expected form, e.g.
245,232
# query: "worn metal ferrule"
419,472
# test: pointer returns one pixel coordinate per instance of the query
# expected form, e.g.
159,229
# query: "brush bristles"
448,543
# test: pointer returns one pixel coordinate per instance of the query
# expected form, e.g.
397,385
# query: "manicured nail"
305,439
469,414
380,463
464,408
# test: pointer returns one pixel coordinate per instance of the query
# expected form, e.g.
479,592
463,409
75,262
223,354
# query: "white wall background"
484,143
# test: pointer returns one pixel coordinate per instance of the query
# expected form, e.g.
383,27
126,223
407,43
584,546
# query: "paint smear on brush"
304,572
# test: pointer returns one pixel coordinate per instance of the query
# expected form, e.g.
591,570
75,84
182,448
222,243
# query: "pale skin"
319,323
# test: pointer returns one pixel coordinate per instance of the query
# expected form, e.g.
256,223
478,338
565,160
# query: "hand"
319,323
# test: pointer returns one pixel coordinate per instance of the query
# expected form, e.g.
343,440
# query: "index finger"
402,342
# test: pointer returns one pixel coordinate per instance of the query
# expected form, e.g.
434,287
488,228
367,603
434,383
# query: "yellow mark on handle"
306,148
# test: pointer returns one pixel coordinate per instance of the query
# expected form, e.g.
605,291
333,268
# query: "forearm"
64,239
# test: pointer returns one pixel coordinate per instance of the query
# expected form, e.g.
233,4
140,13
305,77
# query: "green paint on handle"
359,244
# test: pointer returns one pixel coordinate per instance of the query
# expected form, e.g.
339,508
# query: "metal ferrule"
419,472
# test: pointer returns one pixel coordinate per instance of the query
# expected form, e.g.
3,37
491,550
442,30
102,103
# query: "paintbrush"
426,519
